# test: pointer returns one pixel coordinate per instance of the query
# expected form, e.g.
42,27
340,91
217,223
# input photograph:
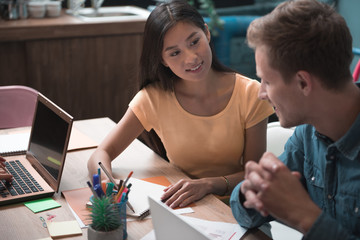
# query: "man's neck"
337,112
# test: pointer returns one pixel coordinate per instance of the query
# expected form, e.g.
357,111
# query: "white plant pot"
98,235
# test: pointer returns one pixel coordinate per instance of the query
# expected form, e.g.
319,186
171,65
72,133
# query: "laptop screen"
49,139
49,135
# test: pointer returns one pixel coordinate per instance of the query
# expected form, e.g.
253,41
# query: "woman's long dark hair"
161,19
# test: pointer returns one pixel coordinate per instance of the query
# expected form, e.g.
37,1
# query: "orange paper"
77,200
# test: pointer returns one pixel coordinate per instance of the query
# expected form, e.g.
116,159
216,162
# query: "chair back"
17,106
277,136
356,72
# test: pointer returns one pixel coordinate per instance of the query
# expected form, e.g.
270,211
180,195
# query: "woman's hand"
185,191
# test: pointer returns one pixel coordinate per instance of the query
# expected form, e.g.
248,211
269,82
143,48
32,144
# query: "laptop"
168,225
44,159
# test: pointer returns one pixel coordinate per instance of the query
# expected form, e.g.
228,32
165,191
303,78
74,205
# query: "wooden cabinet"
88,69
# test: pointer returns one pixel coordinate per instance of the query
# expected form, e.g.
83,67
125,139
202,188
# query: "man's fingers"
252,183
296,174
249,167
251,200
271,163
252,166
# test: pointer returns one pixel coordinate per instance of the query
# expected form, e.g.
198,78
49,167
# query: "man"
303,52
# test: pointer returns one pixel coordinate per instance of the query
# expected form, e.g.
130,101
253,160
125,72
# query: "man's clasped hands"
272,189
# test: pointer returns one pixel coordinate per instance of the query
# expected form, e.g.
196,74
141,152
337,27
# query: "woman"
207,116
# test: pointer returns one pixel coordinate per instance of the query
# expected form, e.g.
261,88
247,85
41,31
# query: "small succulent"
104,215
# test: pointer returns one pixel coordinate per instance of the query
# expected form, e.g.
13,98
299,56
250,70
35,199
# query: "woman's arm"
128,128
255,146
255,141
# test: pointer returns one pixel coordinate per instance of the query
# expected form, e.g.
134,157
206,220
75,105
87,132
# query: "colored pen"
119,194
104,186
127,193
129,176
95,179
116,187
108,175
92,190
109,188
124,185
99,173
122,189
98,190
120,184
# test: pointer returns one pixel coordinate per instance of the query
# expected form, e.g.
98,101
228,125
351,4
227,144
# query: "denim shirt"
330,173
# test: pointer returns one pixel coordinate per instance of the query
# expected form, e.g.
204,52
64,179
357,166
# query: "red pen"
129,176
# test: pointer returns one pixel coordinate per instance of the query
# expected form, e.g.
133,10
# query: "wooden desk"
18,222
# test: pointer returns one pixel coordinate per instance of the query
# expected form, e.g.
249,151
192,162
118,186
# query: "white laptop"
44,159
168,225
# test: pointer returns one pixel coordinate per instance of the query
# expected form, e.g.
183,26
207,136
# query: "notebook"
168,225
139,192
44,158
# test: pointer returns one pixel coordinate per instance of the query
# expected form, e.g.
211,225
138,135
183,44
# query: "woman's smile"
196,68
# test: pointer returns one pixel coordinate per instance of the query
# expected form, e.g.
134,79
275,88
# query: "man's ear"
305,82
208,35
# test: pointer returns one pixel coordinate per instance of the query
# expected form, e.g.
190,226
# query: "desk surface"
18,222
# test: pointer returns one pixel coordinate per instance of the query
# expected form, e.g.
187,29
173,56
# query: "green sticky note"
42,204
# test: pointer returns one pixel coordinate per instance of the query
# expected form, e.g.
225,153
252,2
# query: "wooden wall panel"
88,77
12,62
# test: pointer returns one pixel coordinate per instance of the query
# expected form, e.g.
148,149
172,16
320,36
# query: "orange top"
202,146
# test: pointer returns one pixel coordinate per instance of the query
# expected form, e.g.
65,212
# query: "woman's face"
187,52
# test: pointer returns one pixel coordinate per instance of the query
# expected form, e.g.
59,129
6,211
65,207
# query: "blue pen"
98,190
96,179
123,198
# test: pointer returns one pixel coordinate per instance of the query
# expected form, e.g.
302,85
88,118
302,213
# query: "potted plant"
105,220
208,8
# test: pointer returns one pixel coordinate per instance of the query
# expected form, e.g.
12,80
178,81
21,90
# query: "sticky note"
43,204
65,228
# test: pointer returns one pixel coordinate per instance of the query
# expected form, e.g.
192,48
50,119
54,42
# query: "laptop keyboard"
22,183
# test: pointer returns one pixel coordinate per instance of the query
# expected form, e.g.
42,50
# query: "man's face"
284,97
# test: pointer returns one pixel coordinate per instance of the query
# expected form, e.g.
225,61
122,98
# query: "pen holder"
122,214
105,207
